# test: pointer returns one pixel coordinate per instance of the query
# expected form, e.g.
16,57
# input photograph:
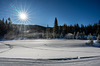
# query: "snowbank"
96,43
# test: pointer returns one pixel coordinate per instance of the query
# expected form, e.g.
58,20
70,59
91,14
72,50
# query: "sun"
23,16
21,13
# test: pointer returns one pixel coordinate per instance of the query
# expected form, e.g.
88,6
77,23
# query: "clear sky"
43,12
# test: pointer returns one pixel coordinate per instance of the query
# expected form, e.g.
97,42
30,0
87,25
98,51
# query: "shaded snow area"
96,43
48,53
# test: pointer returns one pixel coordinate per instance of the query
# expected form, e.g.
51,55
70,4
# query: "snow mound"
96,43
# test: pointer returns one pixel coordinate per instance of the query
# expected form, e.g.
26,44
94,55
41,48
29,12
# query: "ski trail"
9,47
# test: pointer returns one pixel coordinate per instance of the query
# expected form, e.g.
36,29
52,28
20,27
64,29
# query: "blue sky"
43,12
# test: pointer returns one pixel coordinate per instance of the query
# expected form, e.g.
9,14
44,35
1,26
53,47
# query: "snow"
48,53
96,43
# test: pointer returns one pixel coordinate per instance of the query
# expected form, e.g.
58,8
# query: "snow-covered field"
48,53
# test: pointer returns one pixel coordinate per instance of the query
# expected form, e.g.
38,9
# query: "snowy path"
95,61
48,52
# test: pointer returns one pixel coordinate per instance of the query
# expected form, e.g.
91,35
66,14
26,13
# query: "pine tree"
71,30
55,28
47,32
64,32
6,22
89,29
6,25
3,20
9,21
76,28
10,24
82,28
95,29
60,29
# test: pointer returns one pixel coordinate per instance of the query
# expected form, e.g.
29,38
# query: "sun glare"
23,16
22,13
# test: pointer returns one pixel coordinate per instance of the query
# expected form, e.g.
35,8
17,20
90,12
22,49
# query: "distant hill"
31,28
35,28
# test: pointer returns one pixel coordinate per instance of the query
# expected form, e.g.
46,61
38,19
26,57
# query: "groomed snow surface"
48,53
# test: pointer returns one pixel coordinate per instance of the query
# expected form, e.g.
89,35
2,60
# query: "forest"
8,30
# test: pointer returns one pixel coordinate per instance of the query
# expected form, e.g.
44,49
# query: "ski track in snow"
9,47
48,62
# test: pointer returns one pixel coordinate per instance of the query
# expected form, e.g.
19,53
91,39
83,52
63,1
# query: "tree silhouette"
64,30
47,32
55,28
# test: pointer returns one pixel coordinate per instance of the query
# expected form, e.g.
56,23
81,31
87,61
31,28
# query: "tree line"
76,29
5,26
57,31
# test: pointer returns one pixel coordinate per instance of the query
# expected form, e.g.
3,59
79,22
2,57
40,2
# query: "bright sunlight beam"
22,16
22,13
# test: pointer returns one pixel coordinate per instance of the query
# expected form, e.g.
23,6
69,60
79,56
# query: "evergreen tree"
76,28
6,25
89,29
47,32
71,29
60,29
82,28
10,24
95,29
64,32
3,20
55,28
6,22
9,21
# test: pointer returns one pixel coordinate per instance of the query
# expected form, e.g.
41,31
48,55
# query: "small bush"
90,37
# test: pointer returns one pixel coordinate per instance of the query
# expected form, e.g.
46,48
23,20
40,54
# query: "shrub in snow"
90,39
69,36
74,35
98,38
77,36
